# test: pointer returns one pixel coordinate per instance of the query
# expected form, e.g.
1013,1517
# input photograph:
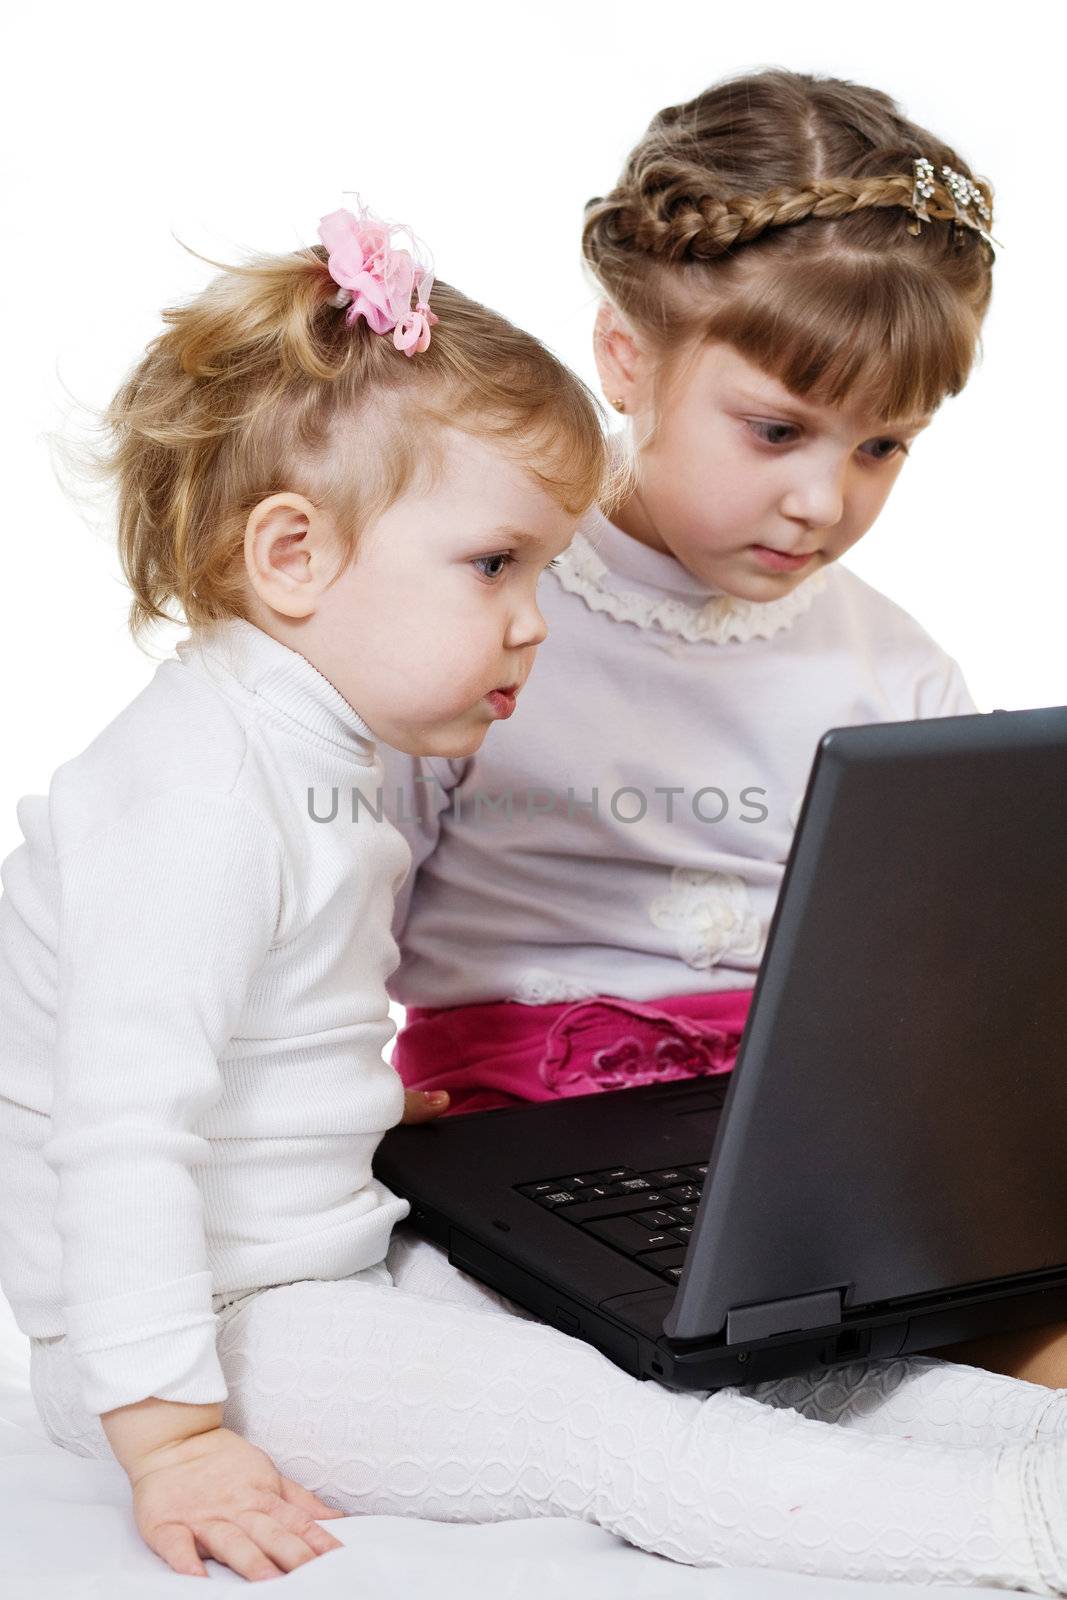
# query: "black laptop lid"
897,1120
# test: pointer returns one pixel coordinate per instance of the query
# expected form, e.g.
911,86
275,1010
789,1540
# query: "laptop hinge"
784,1316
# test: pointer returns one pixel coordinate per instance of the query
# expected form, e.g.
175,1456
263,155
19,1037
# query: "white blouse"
626,831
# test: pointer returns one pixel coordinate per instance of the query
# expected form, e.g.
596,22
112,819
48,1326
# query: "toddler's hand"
217,1495
420,1107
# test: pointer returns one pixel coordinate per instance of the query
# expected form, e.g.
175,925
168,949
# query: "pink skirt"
504,1053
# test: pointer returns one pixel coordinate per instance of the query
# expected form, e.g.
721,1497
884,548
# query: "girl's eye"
505,556
898,448
553,563
898,445
774,427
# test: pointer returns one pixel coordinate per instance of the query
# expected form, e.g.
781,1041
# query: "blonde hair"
258,386
770,212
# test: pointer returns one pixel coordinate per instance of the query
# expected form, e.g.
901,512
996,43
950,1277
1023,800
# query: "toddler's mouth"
503,700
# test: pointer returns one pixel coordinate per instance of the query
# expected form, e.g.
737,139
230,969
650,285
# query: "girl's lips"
502,701
778,560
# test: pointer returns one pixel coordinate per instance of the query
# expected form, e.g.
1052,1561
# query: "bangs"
565,451
551,428
871,332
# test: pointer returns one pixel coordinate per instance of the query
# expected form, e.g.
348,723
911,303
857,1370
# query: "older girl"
793,278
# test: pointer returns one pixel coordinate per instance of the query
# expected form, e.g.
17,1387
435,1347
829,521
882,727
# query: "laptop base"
639,1346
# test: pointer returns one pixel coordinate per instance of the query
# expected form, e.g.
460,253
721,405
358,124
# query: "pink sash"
505,1053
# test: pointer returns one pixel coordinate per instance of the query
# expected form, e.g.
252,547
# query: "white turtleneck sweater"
192,983
647,681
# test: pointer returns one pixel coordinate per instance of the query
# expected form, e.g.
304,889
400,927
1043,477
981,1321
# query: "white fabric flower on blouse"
711,914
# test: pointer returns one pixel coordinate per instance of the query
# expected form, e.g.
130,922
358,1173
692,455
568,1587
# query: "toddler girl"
195,946
318,469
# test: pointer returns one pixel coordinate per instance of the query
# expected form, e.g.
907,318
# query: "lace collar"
679,603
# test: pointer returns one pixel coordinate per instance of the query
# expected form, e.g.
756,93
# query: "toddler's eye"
504,556
553,563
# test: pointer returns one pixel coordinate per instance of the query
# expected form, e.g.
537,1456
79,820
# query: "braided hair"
774,212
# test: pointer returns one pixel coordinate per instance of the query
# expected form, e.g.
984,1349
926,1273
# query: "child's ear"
617,354
290,553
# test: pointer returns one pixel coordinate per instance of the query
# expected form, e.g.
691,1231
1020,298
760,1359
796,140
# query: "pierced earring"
620,405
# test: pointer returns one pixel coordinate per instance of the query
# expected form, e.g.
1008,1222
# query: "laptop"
884,1170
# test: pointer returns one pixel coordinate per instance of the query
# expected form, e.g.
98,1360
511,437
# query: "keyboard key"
673,1273
645,1198
684,1193
535,1190
609,1175
698,1172
583,1190
555,1199
668,1175
654,1221
658,1260
657,1241
625,1235
587,1209
683,1231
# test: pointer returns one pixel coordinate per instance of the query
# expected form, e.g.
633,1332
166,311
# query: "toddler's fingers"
297,1495
233,1547
287,1550
299,1521
175,1545
421,1107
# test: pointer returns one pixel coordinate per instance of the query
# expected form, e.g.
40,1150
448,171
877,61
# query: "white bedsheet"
66,1530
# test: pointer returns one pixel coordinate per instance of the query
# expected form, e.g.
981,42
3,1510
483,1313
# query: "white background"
486,127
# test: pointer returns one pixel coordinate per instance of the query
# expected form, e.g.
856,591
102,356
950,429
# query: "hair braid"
676,222
777,212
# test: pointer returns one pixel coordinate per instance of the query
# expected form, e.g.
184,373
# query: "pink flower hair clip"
377,281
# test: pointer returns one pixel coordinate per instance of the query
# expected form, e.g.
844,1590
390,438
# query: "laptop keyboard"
647,1216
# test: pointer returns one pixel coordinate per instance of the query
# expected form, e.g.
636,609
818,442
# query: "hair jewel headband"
376,279
966,197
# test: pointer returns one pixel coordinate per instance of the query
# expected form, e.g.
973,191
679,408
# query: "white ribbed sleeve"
164,917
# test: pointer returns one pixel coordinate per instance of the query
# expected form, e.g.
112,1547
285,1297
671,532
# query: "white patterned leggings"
416,1391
